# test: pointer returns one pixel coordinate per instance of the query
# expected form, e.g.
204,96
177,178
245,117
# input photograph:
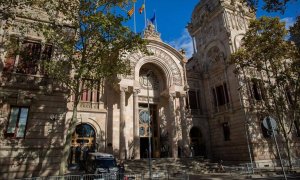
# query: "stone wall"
39,151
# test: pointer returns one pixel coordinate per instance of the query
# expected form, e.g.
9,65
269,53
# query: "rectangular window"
17,122
30,55
193,100
90,91
220,95
257,89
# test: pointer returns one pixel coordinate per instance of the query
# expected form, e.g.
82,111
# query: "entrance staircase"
195,165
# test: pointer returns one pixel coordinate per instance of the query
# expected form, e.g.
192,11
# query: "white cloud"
289,21
183,42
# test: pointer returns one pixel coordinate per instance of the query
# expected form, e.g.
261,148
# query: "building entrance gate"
84,134
197,142
144,131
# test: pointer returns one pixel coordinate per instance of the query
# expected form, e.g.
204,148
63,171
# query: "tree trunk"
288,149
71,129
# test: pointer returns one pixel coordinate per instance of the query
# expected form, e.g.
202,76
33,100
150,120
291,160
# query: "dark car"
101,163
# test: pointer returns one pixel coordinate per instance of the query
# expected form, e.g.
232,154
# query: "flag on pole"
130,12
153,19
142,9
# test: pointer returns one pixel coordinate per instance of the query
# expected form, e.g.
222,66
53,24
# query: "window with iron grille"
90,91
28,59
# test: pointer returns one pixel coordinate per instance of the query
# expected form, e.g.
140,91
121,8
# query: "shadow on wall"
263,144
39,152
110,100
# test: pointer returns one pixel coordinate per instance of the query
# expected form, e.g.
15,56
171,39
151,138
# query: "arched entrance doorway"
197,142
151,79
84,134
83,140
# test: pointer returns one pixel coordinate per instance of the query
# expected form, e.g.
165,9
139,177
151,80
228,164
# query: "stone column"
136,136
172,127
122,146
184,127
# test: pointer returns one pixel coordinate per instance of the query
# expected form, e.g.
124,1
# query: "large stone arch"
100,134
167,61
159,63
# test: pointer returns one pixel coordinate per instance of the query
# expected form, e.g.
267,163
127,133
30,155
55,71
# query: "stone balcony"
87,106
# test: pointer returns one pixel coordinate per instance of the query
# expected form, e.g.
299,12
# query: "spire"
151,33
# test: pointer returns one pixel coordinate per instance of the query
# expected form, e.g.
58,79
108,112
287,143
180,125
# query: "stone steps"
197,165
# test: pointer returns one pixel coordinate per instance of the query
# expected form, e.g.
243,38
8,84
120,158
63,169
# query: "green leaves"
295,33
269,5
99,42
270,57
267,55
265,46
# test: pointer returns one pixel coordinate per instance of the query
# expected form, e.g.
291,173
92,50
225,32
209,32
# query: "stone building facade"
235,134
112,117
195,106
119,119
32,107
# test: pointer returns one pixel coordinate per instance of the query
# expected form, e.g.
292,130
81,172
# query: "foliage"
276,61
96,44
94,48
270,5
295,32
89,39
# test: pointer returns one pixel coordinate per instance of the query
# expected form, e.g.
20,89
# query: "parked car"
101,163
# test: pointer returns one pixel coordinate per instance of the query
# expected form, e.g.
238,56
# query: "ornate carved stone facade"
217,28
194,105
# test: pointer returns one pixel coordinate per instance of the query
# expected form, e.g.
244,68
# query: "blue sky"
172,17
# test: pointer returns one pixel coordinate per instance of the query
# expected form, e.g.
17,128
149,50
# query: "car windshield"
105,163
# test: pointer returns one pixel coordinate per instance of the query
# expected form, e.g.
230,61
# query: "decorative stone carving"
151,33
160,54
153,80
151,99
240,21
214,55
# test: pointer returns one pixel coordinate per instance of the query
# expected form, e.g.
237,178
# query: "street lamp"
149,124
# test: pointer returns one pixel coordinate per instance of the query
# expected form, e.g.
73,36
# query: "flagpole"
134,22
155,21
145,14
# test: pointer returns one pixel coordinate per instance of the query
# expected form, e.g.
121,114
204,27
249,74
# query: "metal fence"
161,175
90,177
167,175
